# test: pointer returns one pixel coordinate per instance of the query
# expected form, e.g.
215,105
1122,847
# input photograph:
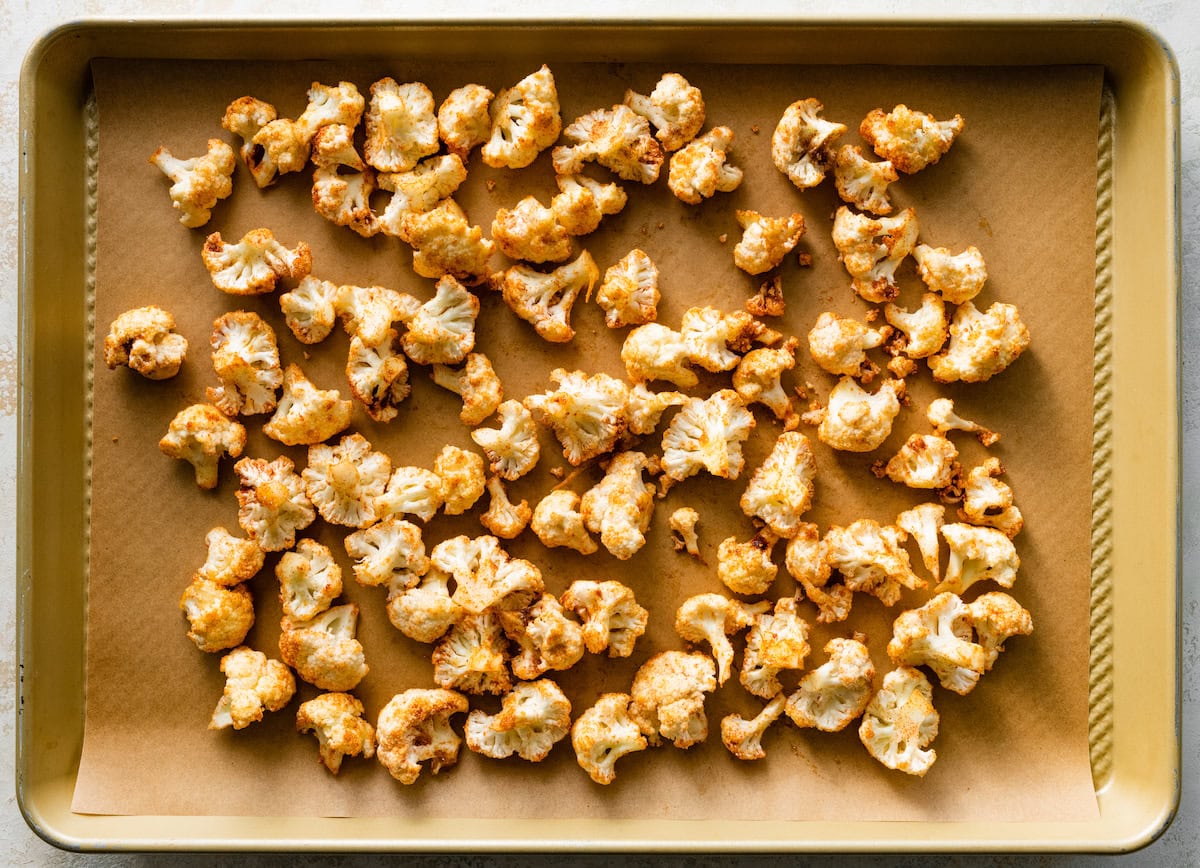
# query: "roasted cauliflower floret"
504,518
803,142
471,656
713,618
655,352
747,568
837,691
524,121
557,521
699,171
714,338
253,685
683,523
486,577
806,563
619,508
531,231
769,300
244,117
582,202
219,617
862,183
924,461
925,329
445,243
331,104
199,183
462,478
443,329
200,435
924,523
839,344
309,580
344,198
401,127
272,504
144,339
629,292
900,722
675,108
873,248
309,309
534,716
777,640
743,738
546,637
956,278
418,190
425,612
246,360
645,408
230,560
707,435
603,734
781,489
938,635
911,140
463,121
544,300
976,555
367,312
323,650
612,618
389,553
872,559
981,344
618,139
307,415
476,382
668,697
942,417
765,240
378,375
856,420
255,264
996,617
284,147
756,378
336,720
411,491
513,448
414,728
343,481
988,501
586,413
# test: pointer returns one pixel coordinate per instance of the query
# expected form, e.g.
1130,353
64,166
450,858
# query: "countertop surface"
22,21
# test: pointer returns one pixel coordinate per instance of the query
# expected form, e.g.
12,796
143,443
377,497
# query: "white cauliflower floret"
414,728
443,329
389,553
603,734
284,147
802,144
837,691
924,523
699,171
743,738
618,139
368,312
858,421
513,448
655,352
525,120
838,345
445,243
336,720
547,639
246,360
471,656
378,375
765,240
781,489
463,121
144,339
219,617
411,491
942,417
713,618
714,338
503,517
476,383
938,635
309,580
900,722
425,612
401,127
309,310
344,198
619,508
988,501
253,684
323,650
645,408
557,521
911,140
777,641
756,378
230,560
244,117
197,184
333,147
582,202
255,264
981,344
806,563
462,478
629,292
544,300
925,329
305,414
343,481
683,530
747,568
530,231
200,435
486,577
862,183
534,716
272,504
587,414
873,248
668,697
418,190
996,617
675,108
956,278
331,104
978,554
707,435
924,461
612,618
872,559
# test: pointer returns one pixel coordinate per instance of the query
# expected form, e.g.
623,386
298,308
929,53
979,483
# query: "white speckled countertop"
22,21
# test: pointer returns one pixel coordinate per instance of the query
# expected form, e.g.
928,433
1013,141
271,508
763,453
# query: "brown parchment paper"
1019,184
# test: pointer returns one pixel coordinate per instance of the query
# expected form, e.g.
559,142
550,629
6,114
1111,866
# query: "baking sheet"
1021,733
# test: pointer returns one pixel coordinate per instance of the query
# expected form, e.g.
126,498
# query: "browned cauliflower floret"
924,461
463,120
323,650
336,720
911,140
925,329
837,691
442,331
255,264
988,501
343,481
603,734
806,563
747,568
503,517
230,560
765,240
424,612
781,489
309,580
414,728
342,183
655,352
668,697
418,190
244,117
629,293
401,127
305,414
862,183
197,184
856,420
463,481
471,656
389,553
544,300
838,344
699,171
253,684
924,524
557,521
246,360
331,104
368,312
900,721
942,417
675,108
707,435
981,344
476,382
996,617
534,716
976,555
219,617
309,310
618,139
803,142
713,618
769,300
645,408
756,379
445,243
611,616
144,339
683,523
200,435
714,338
938,635
619,508
486,577
587,414
378,375
546,637
525,121
873,248
284,147
743,738
531,231
872,559
582,202
956,278
272,503
513,448
411,491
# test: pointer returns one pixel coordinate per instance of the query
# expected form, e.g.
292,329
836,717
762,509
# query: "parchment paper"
1019,184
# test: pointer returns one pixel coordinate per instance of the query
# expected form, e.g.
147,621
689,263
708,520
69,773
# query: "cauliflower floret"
765,240
806,563
988,501
683,530
336,720
925,522
674,107
463,121
378,375
942,417
333,146
513,448
343,481
244,117
611,616
838,345
419,190
423,613
582,202
924,461
981,344
645,408
323,650
956,278
305,414
331,104
463,481
368,312
802,145
603,734
707,435
445,243
414,728
503,517
557,521
309,310
253,684
144,339
401,127
534,716
219,617
713,618
781,490
230,560
978,554
443,329
525,120
255,264
284,147
471,656
197,184
996,617
747,568
309,580
200,435
389,553
544,300
619,508
900,721
531,231
938,635
486,577
714,339
655,352
476,382
862,183
668,697
768,301
629,293
858,421
756,378
699,171
411,491
873,248
925,329
246,359
547,638
587,414
837,691
872,559
618,139
743,738
272,504
911,140
344,198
